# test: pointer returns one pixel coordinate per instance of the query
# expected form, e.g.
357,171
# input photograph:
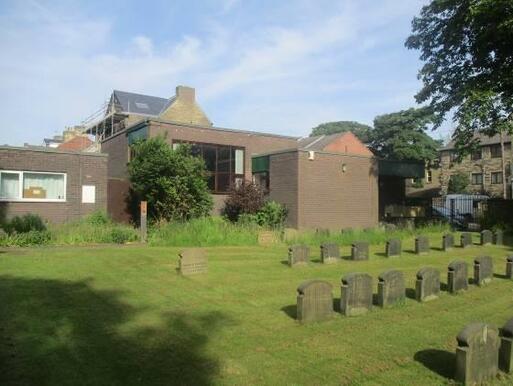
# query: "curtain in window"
48,186
10,185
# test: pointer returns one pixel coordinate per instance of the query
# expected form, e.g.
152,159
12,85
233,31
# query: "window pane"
209,155
10,185
239,161
211,182
223,153
223,166
44,186
223,182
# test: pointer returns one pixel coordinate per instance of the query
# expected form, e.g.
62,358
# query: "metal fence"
459,210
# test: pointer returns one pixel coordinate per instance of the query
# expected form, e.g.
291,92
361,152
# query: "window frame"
232,176
477,155
20,198
498,154
472,179
495,182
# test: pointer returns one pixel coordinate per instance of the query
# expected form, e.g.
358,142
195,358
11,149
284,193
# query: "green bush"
84,232
271,215
26,223
26,239
98,218
121,235
458,183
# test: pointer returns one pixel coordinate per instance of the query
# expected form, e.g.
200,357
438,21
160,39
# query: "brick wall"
319,195
80,168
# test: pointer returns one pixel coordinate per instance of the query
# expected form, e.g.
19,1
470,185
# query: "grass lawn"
122,316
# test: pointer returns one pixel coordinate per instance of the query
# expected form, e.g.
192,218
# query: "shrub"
98,218
248,198
26,223
26,239
458,183
272,215
173,182
121,235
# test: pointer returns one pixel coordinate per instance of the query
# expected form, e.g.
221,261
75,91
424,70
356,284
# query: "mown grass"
122,316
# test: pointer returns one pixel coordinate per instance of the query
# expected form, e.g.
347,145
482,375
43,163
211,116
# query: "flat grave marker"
509,267
192,261
393,248
483,270
421,245
360,250
466,240
506,349
330,253
447,242
298,255
498,237
486,237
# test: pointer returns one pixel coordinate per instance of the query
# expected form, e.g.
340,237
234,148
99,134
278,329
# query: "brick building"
58,185
333,179
483,167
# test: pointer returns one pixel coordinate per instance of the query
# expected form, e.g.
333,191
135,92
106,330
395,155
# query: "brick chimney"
185,94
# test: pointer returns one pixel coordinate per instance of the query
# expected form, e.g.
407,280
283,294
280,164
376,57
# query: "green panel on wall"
260,164
406,169
138,134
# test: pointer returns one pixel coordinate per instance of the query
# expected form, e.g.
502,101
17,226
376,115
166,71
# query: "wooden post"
144,229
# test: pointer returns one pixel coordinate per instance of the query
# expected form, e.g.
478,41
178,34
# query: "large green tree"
172,181
467,49
359,129
401,136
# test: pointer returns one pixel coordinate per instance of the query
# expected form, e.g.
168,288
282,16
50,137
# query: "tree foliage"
172,181
467,49
401,136
458,183
359,129
248,198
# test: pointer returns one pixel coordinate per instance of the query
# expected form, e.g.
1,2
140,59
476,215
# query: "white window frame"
20,187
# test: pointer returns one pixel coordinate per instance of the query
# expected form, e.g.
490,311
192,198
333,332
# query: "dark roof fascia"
292,150
53,150
137,125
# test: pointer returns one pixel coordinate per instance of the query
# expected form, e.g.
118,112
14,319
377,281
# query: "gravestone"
506,349
498,237
483,270
457,276
267,238
427,286
421,245
448,242
486,237
299,254
360,250
466,240
477,354
356,294
391,288
509,267
314,301
330,253
290,234
393,247
192,261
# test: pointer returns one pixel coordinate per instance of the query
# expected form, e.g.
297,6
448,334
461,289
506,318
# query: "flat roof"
43,149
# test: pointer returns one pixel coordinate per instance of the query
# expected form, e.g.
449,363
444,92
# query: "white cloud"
284,74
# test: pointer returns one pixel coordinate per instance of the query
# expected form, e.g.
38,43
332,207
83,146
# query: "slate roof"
130,102
484,141
317,143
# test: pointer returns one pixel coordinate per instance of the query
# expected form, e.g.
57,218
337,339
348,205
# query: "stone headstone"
498,237
290,234
356,294
421,245
393,247
486,237
299,254
314,301
477,354
466,240
509,267
483,270
266,238
192,261
391,288
457,276
330,253
448,242
506,349
427,286
360,250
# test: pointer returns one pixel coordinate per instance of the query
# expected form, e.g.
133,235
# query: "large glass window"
225,164
20,185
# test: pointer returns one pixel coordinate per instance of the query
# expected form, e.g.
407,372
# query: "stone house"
483,167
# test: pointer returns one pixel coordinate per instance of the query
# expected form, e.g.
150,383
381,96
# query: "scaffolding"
105,122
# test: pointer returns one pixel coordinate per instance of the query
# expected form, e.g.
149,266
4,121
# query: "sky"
272,66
